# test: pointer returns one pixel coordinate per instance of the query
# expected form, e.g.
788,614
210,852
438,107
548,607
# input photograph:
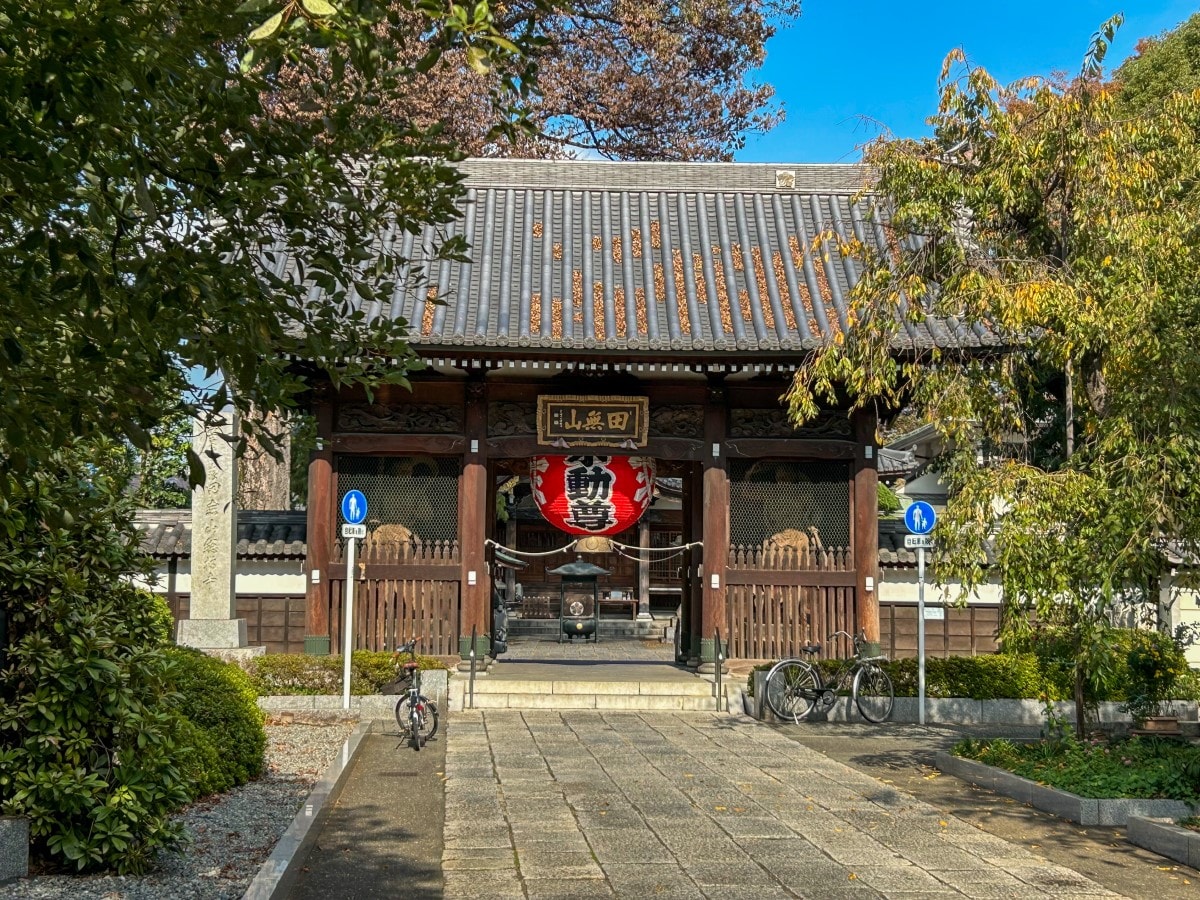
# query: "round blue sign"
354,507
920,517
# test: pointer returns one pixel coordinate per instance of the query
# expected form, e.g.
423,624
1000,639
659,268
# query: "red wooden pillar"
866,524
716,526
472,527
320,533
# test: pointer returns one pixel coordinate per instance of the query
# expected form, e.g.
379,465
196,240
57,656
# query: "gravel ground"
230,835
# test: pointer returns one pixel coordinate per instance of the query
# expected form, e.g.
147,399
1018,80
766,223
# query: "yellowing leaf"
477,59
319,7
267,29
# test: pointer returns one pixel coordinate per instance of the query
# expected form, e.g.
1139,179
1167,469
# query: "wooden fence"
404,590
275,621
966,631
780,598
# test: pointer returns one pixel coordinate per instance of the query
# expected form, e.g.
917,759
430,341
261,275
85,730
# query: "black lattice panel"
414,493
776,498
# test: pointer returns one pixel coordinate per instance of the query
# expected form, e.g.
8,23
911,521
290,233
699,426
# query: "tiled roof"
581,258
265,534
891,544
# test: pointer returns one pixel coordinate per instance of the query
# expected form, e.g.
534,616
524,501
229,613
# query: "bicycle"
416,714
794,687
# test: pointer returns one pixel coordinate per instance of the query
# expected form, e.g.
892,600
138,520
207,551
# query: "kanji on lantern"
590,494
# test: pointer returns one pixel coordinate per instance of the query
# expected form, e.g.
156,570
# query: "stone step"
609,628
504,693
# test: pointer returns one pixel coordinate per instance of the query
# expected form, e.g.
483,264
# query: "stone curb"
1083,810
434,684
1166,839
964,711
277,876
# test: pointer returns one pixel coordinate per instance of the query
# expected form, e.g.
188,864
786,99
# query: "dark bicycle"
416,714
795,687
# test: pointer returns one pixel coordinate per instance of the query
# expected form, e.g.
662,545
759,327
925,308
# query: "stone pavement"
583,804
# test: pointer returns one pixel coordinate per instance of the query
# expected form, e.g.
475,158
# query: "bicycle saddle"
811,648
411,666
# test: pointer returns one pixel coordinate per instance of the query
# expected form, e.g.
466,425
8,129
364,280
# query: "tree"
146,198
651,80
1066,235
1161,66
146,195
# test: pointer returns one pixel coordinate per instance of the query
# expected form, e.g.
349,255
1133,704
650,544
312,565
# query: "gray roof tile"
647,258
261,534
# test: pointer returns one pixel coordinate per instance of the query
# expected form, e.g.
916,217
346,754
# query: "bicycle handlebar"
409,647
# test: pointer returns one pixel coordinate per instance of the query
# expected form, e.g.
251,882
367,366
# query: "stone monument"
213,626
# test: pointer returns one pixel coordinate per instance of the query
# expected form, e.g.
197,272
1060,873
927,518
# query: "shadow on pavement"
384,836
902,756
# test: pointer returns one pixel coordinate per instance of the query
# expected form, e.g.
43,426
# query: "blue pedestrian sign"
354,507
920,517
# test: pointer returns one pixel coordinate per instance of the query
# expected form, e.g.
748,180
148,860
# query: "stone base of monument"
223,638
14,847
211,634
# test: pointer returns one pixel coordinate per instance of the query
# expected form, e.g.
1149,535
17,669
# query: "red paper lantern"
588,494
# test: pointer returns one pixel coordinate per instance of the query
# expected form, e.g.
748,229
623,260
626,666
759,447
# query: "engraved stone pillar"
212,626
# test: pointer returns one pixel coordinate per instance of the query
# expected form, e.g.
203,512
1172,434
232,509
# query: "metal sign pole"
348,642
921,635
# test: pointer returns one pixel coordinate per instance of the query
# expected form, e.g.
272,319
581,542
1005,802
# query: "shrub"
225,743
1156,663
888,501
288,673
1054,646
87,741
990,677
1131,768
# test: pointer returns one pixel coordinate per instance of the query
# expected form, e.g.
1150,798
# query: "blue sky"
844,60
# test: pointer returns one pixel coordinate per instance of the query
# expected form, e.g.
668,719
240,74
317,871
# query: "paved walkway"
544,805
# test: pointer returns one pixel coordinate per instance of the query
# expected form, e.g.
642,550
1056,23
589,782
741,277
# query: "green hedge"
997,676
222,742
288,673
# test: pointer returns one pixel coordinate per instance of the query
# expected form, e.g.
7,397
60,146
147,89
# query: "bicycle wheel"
791,688
873,693
429,724
416,722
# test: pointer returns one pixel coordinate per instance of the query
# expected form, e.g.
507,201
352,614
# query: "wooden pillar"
716,526
472,527
865,512
320,533
643,588
692,524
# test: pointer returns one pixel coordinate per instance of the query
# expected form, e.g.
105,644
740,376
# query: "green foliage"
888,501
1155,665
1138,767
286,673
1162,66
87,743
1056,649
150,195
1065,230
992,677
218,702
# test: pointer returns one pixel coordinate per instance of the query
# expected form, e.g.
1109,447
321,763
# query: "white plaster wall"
254,577
929,484
1186,611
900,586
